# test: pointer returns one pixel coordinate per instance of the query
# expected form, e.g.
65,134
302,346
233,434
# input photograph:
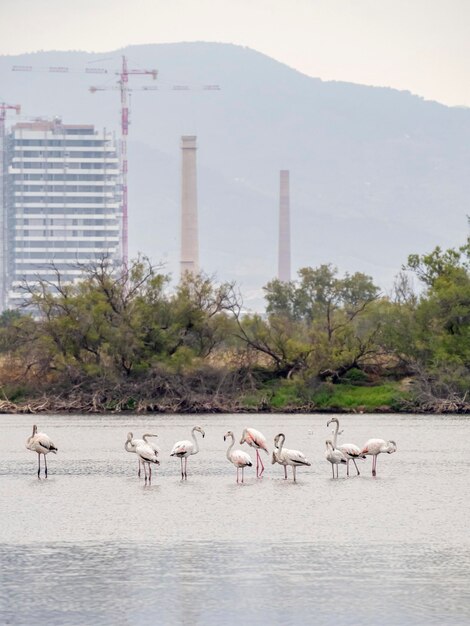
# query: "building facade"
62,203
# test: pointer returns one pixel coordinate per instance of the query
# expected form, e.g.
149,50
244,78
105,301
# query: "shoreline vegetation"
125,340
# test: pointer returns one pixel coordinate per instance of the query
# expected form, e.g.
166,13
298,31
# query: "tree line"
125,339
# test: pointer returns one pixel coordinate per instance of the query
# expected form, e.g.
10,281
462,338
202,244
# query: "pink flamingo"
239,458
374,447
349,450
185,448
256,440
40,443
146,455
285,457
334,456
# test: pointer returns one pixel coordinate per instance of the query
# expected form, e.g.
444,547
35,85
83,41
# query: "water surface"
93,545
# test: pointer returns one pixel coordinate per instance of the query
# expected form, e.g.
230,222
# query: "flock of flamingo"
148,453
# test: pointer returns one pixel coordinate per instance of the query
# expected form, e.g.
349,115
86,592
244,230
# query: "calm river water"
92,545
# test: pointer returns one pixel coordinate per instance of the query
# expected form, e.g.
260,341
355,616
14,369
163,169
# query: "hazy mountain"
375,173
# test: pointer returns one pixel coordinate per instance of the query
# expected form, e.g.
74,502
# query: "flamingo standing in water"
183,449
334,456
374,447
350,450
132,443
286,457
40,443
256,440
146,455
239,458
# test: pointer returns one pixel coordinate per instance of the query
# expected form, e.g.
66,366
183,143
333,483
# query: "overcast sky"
419,45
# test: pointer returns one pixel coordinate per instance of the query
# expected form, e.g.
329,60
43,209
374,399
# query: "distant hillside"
375,173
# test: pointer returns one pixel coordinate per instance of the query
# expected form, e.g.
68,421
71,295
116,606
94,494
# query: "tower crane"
123,86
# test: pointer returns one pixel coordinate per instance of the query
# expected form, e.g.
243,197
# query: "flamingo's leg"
150,472
138,473
285,472
355,465
45,465
293,471
243,474
347,467
374,465
333,469
237,473
182,473
260,462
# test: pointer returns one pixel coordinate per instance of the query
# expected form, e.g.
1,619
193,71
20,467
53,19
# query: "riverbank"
282,397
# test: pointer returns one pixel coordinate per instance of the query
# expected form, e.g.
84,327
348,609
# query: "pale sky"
419,45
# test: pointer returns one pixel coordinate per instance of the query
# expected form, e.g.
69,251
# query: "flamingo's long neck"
280,444
335,436
196,449
230,447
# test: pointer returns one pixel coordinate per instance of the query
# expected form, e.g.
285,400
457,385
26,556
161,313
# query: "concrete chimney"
284,228
189,260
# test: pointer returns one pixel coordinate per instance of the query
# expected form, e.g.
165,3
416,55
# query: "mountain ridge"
376,173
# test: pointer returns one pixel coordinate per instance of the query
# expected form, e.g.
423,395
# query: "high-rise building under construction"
61,203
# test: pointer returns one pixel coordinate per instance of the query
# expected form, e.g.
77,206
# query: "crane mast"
123,85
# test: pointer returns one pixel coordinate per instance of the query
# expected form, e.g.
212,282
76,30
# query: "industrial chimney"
189,261
284,228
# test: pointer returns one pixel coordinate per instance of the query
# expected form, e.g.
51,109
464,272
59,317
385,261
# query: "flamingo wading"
239,458
132,443
286,457
374,447
147,456
256,440
334,456
40,443
350,450
183,449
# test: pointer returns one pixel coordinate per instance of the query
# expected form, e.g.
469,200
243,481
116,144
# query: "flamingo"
256,440
183,449
40,443
286,457
350,450
374,447
334,456
131,444
239,458
147,455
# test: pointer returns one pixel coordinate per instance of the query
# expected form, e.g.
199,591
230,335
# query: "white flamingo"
40,443
334,456
239,458
286,457
132,443
147,456
256,440
374,447
350,450
183,449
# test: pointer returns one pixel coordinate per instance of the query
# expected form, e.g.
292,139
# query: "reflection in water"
226,583
93,545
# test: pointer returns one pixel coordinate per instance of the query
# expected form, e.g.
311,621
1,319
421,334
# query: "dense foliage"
125,338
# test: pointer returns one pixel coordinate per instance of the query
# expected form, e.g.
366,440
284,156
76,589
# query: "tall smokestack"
284,228
189,261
